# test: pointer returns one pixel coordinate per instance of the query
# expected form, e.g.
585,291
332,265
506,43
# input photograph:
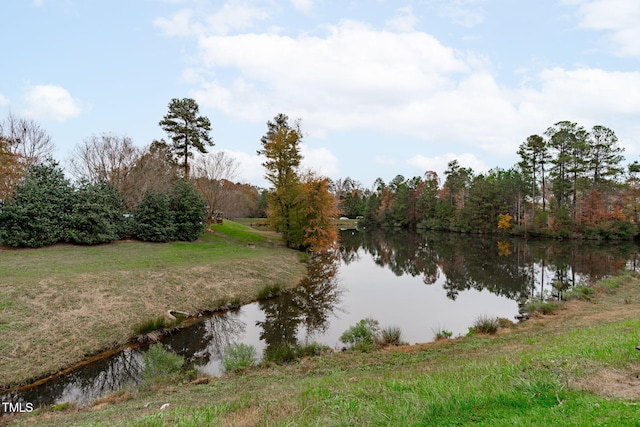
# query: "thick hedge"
38,211
97,214
167,217
46,209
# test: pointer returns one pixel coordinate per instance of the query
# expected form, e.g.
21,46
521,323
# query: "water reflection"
506,267
309,306
420,282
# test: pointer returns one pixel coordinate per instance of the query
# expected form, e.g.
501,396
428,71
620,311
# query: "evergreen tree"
281,147
38,212
189,211
604,155
187,130
97,214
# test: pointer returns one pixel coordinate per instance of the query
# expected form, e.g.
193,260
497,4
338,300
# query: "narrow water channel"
420,282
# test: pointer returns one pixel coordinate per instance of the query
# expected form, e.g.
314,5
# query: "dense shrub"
362,336
166,217
38,212
97,214
238,357
189,211
46,209
153,219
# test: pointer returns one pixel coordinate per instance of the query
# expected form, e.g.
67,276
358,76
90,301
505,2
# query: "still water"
420,282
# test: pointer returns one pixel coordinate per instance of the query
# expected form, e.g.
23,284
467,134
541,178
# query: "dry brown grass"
56,308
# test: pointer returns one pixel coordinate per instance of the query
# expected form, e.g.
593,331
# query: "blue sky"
382,87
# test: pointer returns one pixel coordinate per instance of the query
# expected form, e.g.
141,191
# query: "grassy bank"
576,367
62,303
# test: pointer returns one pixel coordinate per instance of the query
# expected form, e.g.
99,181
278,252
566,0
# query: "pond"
422,283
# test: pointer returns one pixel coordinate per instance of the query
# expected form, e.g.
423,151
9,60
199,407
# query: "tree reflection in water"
510,267
515,269
310,305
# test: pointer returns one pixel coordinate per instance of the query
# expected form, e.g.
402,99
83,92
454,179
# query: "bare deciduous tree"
154,171
11,171
27,139
106,157
212,175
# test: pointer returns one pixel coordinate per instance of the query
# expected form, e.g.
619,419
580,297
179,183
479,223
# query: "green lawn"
61,303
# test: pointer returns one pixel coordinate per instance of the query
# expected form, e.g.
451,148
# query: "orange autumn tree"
318,208
11,170
299,208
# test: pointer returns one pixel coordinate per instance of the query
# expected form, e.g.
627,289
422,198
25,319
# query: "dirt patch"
608,382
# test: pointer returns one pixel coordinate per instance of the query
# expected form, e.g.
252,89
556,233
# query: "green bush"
362,336
160,365
544,307
37,213
582,293
189,210
238,357
97,214
167,217
153,220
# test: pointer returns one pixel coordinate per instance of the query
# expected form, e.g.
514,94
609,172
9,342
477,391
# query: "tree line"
569,182
167,191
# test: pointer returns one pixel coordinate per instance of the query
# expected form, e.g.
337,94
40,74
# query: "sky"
382,87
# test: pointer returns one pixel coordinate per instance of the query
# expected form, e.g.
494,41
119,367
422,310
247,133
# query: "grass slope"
578,367
61,303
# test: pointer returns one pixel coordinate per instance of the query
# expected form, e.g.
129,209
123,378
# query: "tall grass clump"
160,365
362,336
442,334
238,357
486,325
290,352
390,335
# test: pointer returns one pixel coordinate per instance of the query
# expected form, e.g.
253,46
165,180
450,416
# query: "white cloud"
38,3
439,164
179,24
251,169
352,77
320,160
51,102
404,21
3,100
589,96
235,15
302,5
356,77
466,13
617,17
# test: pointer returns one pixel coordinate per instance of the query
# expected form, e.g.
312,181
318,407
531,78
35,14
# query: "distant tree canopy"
187,130
566,184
